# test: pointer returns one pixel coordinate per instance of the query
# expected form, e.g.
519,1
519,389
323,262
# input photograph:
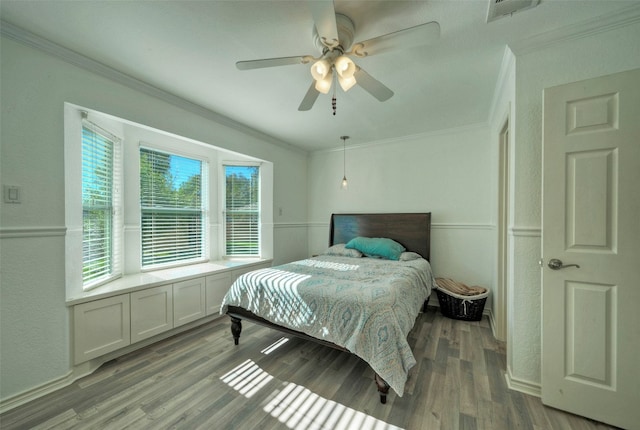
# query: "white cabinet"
188,301
104,325
216,287
101,326
151,312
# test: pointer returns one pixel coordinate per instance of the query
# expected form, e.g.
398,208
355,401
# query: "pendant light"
344,183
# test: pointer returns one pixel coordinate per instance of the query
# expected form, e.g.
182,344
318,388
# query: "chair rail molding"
45,231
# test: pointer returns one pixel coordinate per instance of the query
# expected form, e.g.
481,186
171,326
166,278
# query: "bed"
362,304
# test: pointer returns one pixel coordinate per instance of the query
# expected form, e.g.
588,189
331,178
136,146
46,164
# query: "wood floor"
199,379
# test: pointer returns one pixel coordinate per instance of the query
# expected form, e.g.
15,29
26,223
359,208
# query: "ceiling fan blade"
273,62
372,85
324,16
422,34
309,98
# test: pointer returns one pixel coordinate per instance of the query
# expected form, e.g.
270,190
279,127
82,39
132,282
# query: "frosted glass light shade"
324,85
345,67
346,83
320,69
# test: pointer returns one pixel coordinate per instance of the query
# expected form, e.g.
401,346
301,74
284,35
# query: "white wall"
448,173
572,60
35,328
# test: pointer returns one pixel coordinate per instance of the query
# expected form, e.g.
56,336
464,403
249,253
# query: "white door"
591,218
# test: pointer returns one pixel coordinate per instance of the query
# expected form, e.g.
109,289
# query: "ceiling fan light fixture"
345,67
346,83
324,85
320,69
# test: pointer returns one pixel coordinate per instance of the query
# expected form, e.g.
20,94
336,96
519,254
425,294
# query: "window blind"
172,208
242,213
98,194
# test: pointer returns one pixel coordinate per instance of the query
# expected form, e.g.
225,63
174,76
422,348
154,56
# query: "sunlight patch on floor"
275,345
247,378
301,409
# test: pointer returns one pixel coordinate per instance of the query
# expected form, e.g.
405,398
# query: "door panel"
591,203
591,207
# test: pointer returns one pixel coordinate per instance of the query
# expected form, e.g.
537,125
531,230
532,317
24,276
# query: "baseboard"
37,392
83,369
492,321
521,385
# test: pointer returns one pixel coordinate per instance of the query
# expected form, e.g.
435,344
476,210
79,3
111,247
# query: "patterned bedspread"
365,305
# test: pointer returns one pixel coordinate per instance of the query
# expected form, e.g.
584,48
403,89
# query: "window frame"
203,211
113,210
223,185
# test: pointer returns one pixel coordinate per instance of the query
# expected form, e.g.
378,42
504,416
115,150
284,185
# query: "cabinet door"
101,326
217,286
151,312
188,301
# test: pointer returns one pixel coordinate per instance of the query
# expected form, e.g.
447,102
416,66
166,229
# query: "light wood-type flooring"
199,379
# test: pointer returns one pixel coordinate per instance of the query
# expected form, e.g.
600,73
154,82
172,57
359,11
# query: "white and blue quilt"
366,305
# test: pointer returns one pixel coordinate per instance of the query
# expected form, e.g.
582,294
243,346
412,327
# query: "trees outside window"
242,210
172,208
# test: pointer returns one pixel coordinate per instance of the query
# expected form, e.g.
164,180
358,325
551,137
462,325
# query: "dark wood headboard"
411,230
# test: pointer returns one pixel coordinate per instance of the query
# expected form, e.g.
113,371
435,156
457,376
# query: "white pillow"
408,256
341,251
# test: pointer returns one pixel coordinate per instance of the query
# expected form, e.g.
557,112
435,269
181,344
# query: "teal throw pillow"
380,247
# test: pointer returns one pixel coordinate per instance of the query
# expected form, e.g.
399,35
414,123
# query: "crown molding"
580,30
401,139
67,55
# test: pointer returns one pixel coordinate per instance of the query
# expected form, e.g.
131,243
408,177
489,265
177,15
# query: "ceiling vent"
500,8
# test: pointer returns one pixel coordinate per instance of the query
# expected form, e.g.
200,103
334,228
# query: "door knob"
556,264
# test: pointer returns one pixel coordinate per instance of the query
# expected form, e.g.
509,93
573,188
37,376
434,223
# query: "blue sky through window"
240,170
182,169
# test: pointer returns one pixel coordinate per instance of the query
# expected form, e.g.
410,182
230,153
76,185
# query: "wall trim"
506,67
525,231
461,226
15,232
522,385
434,226
84,369
28,38
580,30
400,139
290,225
492,323
37,392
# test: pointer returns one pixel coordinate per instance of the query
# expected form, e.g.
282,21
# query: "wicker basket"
461,307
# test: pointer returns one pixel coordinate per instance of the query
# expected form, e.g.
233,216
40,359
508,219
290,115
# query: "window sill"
140,281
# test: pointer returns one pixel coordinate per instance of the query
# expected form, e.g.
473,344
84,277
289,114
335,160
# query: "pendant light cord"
344,161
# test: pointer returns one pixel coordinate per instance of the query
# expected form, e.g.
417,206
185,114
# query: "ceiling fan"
333,36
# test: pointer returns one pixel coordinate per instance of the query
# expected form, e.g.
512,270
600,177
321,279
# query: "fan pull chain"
333,99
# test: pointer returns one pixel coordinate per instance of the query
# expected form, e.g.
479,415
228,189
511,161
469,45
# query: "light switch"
12,194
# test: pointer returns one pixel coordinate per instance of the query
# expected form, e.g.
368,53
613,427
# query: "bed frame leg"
426,303
236,328
383,388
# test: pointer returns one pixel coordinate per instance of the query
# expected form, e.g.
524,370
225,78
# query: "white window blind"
242,213
172,208
99,190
